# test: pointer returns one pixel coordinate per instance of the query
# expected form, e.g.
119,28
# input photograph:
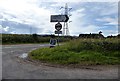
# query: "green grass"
81,51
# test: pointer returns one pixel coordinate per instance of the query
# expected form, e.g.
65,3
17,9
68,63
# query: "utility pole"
65,26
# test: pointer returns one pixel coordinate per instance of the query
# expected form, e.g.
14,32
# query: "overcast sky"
88,16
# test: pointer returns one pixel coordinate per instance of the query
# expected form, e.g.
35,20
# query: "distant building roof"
91,35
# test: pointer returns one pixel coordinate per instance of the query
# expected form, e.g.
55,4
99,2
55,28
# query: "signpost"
58,32
58,27
59,18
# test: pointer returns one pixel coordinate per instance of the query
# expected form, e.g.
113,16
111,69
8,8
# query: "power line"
65,26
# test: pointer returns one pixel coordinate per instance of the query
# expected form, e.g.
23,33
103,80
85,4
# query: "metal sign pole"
58,39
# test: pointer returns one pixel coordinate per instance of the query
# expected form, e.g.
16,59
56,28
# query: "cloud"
27,13
92,18
110,9
110,32
85,29
35,14
80,0
20,28
108,20
4,29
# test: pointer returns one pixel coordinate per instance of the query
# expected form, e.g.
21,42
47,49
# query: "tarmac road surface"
15,68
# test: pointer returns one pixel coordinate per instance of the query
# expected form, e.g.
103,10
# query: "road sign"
59,18
58,32
58,26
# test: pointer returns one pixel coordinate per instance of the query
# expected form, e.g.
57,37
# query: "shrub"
81,51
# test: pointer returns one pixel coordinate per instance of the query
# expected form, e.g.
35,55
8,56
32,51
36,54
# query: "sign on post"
58,32
58,26
59,18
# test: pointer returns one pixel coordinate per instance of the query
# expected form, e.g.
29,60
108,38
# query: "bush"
81,51
26,38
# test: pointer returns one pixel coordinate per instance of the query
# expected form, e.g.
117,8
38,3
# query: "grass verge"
82,52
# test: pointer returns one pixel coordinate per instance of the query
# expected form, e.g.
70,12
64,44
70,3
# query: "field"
82,52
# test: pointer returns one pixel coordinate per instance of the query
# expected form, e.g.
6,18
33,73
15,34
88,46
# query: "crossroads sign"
59,18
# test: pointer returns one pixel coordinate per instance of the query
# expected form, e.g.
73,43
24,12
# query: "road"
14,67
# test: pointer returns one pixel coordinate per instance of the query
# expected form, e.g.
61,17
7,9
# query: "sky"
33,16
